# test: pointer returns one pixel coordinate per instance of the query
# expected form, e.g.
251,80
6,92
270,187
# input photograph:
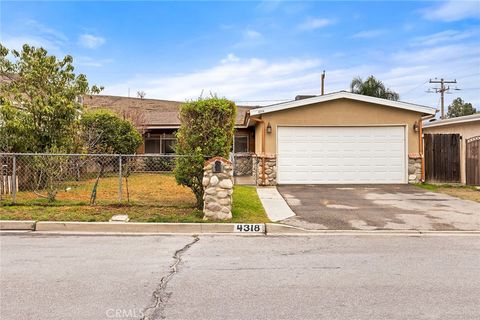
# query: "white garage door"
316,155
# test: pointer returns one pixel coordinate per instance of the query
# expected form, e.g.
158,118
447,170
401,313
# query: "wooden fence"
442,158
472,158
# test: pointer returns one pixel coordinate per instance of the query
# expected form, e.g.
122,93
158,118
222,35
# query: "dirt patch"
462,193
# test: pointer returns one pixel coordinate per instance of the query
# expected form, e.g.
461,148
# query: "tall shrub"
207,127
105,132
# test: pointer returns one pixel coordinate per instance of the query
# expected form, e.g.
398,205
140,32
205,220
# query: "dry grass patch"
153,198
462,192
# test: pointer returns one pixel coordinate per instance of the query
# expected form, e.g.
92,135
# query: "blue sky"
256,51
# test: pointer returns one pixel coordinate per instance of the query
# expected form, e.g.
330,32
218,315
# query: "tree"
206,130
105,132
39,105
460,108
372,87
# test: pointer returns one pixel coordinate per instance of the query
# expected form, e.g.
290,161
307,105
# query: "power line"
469,75
415,88
442,91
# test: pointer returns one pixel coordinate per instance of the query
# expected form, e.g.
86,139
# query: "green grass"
176,207
459,191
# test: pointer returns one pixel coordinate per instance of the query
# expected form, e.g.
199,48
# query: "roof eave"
344,95
441,123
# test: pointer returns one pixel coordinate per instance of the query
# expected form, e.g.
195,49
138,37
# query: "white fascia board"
446,122
343,95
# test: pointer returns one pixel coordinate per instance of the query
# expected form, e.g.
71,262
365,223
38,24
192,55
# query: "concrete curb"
137,227
274,229
283,229
17,225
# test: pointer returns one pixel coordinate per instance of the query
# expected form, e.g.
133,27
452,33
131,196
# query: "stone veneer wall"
414,168
270,169
218,190
243,164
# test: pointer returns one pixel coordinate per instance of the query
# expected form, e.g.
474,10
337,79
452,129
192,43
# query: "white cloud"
91,62
406,71
36,41
38,35
230,58
444,37
233,78
252,34
250,38
453,11
90,41
47,31
369,34
315,23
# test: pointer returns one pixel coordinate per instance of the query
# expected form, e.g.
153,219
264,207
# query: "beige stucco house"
469,129
339,138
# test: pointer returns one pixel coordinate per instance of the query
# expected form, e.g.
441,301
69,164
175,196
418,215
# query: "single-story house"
468,127
336,138
159,120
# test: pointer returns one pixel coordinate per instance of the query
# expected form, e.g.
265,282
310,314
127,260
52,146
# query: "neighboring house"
336,138
468,127
158,120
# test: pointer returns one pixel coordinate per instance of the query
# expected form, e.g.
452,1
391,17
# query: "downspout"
263,146
420,144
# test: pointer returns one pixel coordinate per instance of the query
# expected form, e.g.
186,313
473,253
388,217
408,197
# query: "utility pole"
442,91
323,82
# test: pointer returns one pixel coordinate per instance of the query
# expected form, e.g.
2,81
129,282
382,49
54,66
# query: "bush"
206,131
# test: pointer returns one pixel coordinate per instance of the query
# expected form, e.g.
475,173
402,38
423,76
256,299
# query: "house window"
168,146
240,144
152,145
160,145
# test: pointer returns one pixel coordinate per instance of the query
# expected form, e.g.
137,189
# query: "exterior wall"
342,112
466,130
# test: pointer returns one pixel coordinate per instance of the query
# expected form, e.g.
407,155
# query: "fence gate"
472,166
442,157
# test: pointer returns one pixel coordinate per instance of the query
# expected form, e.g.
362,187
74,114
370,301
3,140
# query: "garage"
339,138
338,154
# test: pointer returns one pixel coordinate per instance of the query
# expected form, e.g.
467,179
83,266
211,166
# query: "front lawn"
154,198
462,192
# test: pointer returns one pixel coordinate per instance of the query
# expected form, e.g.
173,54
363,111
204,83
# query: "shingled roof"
159,113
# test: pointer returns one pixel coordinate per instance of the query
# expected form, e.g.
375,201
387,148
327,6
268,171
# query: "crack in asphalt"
161,297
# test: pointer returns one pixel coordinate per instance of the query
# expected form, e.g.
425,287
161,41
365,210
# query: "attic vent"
301,97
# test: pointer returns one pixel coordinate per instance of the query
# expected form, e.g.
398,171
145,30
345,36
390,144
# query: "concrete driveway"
371,207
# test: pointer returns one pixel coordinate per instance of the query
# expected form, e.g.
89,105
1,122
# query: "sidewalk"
275,206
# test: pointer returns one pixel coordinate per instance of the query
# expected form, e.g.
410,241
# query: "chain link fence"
86,178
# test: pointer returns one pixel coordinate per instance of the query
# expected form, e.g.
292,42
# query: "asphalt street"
250,277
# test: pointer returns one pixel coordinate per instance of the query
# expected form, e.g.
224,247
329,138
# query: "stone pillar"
270,169
414,168
218,189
